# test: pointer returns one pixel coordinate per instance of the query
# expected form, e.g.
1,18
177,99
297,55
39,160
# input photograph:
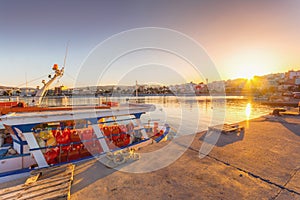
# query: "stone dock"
261,162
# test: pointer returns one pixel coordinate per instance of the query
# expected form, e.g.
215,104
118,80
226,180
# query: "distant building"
293,74
61,90
58,91
216,86
292,77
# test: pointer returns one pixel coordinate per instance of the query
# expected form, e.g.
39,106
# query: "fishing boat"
36,104
16,106
49,138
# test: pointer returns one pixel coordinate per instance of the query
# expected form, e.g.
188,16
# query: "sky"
242,38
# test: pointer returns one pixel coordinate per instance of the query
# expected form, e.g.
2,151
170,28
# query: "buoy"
122,128
107,132
51,141
55,67
45,135
51,155
126,140
115,133
63,138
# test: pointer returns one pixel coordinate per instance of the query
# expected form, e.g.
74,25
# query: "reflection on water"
189,114
248,110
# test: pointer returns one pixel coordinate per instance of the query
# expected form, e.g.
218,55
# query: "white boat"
44,139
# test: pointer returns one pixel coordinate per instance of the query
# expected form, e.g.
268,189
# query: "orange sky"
243,38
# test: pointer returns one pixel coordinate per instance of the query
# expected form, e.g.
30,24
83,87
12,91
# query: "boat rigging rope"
32,80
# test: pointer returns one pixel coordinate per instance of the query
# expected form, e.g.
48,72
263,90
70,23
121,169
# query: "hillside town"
280,84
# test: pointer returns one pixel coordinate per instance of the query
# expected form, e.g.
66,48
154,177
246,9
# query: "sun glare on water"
248,110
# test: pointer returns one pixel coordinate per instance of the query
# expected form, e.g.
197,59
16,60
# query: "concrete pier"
263,162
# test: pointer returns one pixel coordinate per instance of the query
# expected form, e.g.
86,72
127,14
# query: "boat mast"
37,99
26,89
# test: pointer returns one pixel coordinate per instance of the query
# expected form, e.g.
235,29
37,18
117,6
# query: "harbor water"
189,114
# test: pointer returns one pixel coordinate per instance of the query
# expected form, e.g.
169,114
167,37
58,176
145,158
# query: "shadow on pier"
223,139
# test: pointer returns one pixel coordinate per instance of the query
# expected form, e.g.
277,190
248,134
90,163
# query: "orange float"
74,137
63,137
115,131
51,155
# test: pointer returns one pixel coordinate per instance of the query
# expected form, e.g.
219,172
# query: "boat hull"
6,110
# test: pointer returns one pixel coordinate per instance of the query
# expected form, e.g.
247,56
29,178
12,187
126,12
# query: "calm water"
185,114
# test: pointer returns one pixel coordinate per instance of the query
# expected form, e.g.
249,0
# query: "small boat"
50,138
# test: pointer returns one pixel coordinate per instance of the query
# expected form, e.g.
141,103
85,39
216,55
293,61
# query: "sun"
249,77
247,72
248,63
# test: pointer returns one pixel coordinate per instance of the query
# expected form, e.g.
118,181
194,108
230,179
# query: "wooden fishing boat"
44,139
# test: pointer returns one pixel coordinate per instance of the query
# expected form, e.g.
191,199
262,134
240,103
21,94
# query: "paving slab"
294,183
286,195
189,177
268,149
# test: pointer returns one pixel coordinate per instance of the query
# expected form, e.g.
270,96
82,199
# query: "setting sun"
248,76
247,63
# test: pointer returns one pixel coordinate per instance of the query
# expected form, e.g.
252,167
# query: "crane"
37,99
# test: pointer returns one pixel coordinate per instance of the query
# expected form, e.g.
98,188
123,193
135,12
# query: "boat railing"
14,156
68,139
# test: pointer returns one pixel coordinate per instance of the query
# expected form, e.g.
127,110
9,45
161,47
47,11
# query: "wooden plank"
34,188
49,169
66,192
56,174
69,187
39,193
22,187
32,179
40,187
53,195
71,169
57,186
53,172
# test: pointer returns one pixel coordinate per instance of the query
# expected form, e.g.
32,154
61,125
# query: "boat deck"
39,117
